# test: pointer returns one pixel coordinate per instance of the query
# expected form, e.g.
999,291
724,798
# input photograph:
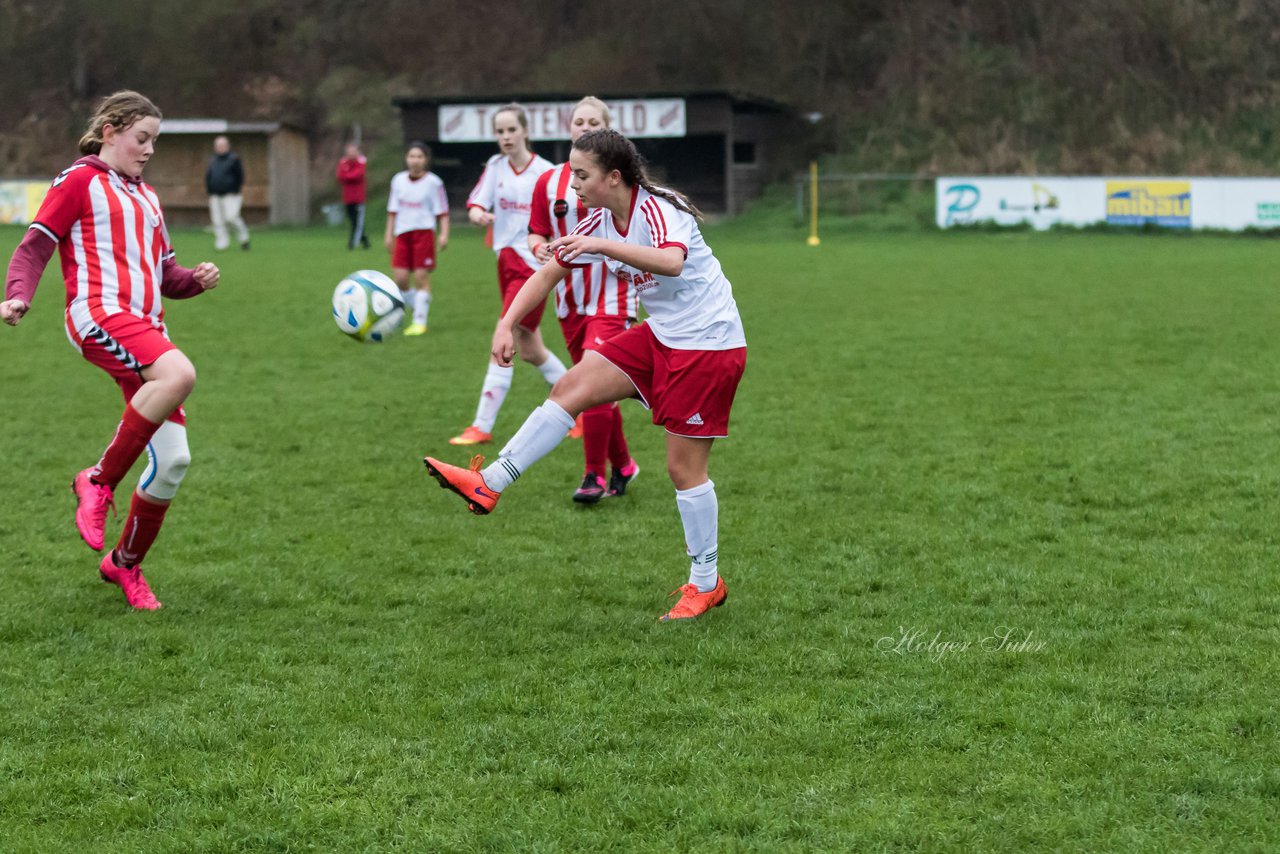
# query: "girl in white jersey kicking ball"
683,363
117,264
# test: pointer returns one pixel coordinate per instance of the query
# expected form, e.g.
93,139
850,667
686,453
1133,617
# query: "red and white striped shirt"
112,242
589,290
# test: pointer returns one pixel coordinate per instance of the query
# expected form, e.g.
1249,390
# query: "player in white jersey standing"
684,362
417,228
117,263
593,305
501,199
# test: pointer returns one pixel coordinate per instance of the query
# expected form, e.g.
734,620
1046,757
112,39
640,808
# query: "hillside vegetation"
923,86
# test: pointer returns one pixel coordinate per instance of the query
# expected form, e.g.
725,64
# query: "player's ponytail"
612,151
119,110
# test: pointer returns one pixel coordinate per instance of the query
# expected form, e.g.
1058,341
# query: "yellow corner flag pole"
813,203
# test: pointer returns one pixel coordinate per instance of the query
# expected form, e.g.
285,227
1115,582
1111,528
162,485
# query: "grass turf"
1066,441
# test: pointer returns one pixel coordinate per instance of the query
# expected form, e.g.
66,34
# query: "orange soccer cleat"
472,436
693,604
575,432
468,483
130,579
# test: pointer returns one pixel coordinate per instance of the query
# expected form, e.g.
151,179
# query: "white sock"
553,369
407,297
699,511
537,437
421,305
497,381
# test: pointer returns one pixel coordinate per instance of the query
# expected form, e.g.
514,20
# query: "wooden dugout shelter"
276,159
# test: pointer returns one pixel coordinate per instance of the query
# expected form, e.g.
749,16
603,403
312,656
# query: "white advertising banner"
1222,203
651,117
1235,203
1042,201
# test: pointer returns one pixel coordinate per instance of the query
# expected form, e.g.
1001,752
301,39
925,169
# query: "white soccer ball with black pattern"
367,305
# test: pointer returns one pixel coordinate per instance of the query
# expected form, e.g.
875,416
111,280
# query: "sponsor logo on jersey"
641,281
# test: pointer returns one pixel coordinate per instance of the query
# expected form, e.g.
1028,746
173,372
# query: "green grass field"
1067,441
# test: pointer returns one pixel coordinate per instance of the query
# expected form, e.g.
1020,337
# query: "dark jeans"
355,213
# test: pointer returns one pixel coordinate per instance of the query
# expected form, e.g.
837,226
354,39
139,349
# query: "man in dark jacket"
224,179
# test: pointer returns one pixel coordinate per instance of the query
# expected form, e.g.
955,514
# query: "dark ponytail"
612,151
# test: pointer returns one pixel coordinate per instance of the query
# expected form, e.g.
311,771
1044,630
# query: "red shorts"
587,332
689,391
512,274
122,346
415,250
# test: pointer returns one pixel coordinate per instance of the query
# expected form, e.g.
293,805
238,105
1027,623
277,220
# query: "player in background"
117,263
501,199
593,305
417,227
351,178
684,362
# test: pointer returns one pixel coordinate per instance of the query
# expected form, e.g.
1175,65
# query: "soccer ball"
367,305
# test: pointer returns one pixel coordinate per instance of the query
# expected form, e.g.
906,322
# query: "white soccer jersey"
508,194
692,311
416,204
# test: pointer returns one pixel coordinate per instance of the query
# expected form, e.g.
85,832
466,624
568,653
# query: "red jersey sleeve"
64,203
177,282
540,211
27,265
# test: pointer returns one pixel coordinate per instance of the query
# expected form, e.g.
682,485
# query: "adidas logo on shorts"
696,420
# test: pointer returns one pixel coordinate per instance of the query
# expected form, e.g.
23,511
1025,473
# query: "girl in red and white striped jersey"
593,305
684,362
117,264
501,199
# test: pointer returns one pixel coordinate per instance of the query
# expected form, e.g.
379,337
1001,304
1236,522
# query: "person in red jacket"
117,263
351,169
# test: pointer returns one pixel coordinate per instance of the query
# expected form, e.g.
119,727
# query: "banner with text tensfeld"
650,117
